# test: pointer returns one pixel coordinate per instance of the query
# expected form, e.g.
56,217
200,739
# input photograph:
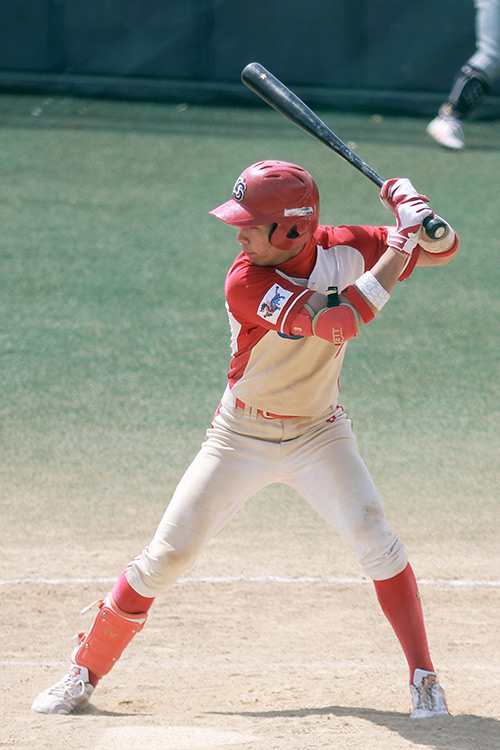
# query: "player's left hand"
398,189
410,213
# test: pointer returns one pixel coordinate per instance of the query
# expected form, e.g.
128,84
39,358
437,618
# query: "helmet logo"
239,189
304,211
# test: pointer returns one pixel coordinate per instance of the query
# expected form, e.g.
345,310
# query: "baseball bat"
279,96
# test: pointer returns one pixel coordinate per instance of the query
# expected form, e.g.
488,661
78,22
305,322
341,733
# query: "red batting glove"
410,213
396,190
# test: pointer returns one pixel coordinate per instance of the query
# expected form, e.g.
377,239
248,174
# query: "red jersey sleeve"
261,296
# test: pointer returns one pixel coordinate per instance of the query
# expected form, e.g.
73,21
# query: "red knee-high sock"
127,599
400,601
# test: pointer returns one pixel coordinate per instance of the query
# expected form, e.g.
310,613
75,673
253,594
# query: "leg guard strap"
111,632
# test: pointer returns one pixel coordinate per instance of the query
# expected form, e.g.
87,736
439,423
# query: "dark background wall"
357,52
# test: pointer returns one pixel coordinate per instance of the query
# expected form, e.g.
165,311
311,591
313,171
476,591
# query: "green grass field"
114,338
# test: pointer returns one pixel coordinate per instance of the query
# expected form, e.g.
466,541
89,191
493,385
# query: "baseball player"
473,81
279,419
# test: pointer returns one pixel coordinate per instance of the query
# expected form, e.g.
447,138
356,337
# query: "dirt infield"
317,668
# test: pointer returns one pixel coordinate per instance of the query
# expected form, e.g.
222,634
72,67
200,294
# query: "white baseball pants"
243,454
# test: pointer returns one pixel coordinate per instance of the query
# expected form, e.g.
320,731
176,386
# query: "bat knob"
434,227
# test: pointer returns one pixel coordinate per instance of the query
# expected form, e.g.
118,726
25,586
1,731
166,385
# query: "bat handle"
434,227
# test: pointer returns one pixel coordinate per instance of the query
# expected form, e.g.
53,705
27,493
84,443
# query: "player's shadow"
93,710
463,732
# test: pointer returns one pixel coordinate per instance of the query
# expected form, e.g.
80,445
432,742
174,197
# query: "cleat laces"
69,687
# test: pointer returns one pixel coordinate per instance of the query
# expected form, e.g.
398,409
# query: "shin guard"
112,630
468,90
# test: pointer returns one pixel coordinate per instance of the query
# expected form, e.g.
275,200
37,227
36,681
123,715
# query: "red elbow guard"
336,324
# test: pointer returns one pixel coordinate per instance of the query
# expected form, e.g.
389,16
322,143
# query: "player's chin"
255,259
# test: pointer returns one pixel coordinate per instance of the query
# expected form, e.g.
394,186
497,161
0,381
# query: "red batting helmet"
274,192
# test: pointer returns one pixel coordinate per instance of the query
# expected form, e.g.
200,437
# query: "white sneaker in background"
447,131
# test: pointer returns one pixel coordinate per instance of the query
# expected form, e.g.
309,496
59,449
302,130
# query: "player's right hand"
398,189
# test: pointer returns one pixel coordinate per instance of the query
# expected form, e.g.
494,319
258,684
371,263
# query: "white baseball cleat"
447,131
73,691
427,696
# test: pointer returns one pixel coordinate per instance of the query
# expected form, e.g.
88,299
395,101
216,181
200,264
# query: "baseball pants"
487,56
242,454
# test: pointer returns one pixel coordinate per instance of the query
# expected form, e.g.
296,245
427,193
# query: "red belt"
265,414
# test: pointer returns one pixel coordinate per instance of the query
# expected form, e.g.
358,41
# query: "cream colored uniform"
279,420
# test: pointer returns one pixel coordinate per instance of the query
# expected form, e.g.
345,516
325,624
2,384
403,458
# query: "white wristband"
372,290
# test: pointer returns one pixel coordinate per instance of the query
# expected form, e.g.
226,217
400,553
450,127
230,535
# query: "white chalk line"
452,583
251,665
